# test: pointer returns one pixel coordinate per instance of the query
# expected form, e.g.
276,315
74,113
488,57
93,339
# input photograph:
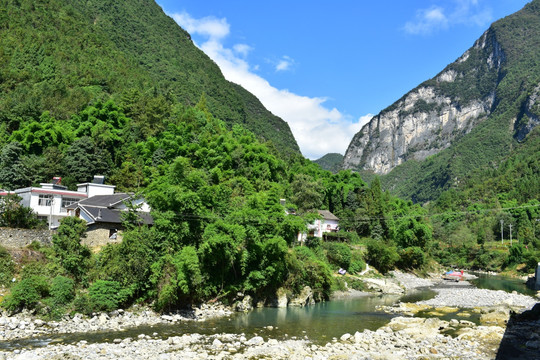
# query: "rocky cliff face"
429,118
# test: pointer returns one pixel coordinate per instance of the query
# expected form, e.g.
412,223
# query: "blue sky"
327,67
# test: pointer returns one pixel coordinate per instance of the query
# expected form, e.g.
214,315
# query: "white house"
328,223
51,200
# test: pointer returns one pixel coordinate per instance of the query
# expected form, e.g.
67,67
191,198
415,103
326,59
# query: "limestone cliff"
429,118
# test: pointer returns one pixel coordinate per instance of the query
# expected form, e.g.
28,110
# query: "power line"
251,218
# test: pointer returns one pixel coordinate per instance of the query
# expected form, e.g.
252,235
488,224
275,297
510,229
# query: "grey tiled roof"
327,215
105,215
105,200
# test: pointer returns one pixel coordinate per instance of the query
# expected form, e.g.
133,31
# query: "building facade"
51,201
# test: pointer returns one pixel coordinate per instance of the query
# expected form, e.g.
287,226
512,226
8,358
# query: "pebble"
383,343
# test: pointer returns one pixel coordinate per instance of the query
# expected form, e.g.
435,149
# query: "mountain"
331,162
60,56
468,118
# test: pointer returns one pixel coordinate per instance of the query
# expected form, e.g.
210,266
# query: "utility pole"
510,226
502,231
51,204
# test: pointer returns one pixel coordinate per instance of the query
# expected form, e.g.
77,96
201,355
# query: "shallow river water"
320,322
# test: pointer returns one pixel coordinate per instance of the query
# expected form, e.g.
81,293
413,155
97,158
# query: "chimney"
98,179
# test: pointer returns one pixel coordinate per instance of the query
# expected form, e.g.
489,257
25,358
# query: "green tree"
13,214
67,245
13,173
307,193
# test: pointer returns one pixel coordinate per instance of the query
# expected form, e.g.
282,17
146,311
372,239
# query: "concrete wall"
18,238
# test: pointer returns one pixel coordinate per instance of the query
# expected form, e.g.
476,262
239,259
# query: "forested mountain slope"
60,56
331,162
467,119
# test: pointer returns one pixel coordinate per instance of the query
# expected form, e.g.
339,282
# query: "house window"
44,200
113,234
66,201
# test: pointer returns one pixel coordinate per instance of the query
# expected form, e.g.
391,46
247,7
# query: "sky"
327,67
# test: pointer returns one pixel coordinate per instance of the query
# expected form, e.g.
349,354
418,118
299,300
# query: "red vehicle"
453,275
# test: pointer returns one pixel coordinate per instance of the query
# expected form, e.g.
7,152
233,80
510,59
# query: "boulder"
418,328
304,298
499,318
246,304
385,286
255,341
483,334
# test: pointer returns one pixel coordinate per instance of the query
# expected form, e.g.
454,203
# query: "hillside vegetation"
61,56
330,162
515,111
84,93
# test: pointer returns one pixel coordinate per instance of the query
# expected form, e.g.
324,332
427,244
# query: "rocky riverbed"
405,337
24,325
402,338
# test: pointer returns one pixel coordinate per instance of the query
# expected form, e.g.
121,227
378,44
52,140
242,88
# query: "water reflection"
497,282
320,322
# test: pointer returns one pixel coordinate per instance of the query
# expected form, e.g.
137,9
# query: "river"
498,282
320,322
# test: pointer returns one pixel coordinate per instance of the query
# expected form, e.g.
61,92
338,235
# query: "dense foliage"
60,56
215,188
220,227
503,65
331,162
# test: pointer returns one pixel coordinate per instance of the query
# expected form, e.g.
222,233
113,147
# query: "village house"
50,201
103,216
326,224
95,202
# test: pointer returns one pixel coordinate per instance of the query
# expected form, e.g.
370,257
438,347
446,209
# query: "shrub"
26,294
313,242
356,284
67,245
82,303
62,290
531,259
412,258
357,262
516,253
306,269
105,295
382,256
338,254
7,267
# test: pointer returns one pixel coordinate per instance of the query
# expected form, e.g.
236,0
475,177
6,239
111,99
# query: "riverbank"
24,325
404,337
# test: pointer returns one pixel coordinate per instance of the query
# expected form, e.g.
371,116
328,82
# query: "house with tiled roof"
103,216
327,222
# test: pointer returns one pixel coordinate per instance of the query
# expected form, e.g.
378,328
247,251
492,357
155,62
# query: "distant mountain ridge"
470,115
331,162
58,56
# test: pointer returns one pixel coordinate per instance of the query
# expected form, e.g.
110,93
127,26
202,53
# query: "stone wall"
98,235
11,238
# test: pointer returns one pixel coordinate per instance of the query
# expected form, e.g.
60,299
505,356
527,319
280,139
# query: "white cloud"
435,18
317,128
242,49
284,64
209,26
427,21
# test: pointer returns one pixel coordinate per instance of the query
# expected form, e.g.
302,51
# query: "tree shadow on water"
521,340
